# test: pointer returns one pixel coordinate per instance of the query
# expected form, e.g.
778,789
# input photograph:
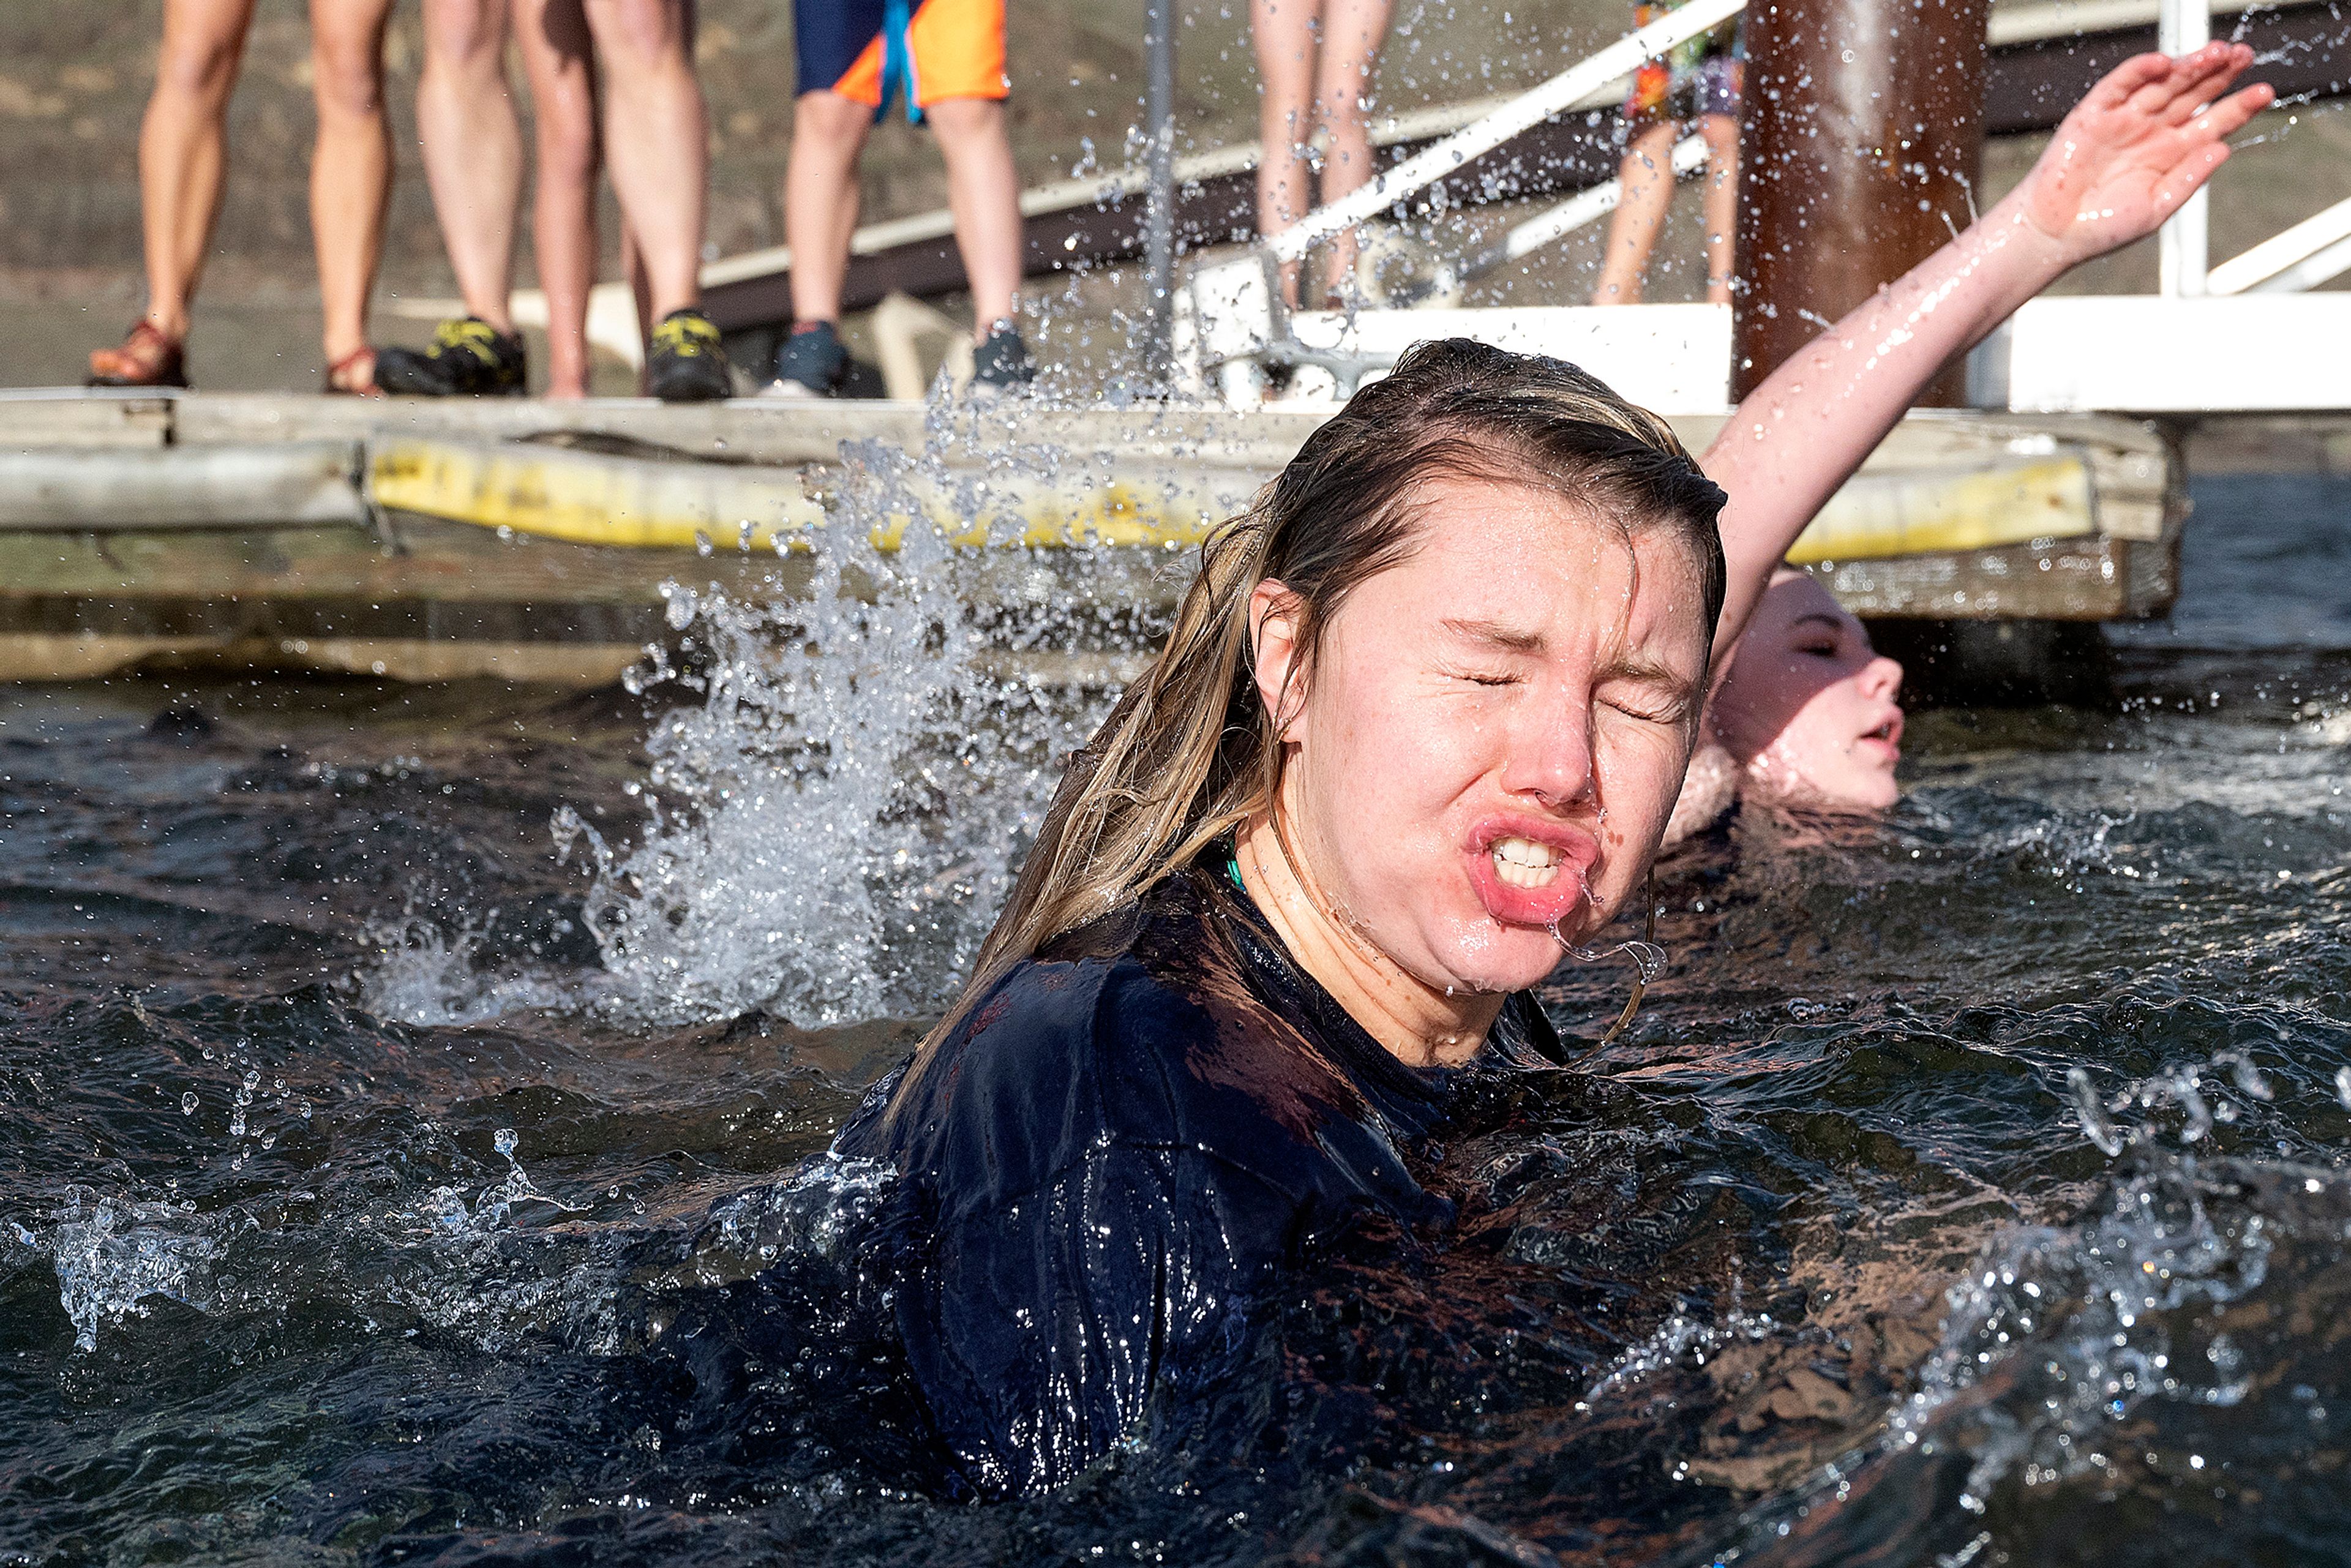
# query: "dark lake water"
403,1092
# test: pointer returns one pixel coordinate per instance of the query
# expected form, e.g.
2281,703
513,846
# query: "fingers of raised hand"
2152,98
2206,80
2230,115
2212,122
2181,86
2127,79
2180,181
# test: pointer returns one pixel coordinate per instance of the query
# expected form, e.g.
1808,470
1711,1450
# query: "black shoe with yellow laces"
468,358
685,362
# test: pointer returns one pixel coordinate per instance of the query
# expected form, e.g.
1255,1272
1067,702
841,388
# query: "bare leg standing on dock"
183,158
1695,86
820,199
1314,62
350,178
556,56
473,151
1647,183
183,149
983,195
657,147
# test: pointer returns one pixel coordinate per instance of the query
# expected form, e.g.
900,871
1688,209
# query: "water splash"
424,973
831,827
1682,1338
2095,1126
2108,1313
111,1256
452,1217
815,1214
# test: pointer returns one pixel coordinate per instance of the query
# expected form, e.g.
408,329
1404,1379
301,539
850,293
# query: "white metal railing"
1586,207
2293,260
2184,250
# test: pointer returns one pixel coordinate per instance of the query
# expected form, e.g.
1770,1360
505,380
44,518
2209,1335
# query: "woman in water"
1804,713
1418,730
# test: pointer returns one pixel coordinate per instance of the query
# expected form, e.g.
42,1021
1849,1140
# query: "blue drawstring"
898,66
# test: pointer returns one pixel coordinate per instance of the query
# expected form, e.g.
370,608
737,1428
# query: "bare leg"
182,145
984,193
1647,180
1721,134
556,53
473,149
350,171
1284,35
821,198
1352,32
657,143
640,296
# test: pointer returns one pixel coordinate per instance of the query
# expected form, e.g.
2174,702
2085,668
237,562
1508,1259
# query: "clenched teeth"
1523,863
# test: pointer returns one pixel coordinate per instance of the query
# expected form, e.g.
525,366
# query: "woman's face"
1808,705
1493,733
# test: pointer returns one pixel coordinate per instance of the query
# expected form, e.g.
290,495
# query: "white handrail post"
2184,250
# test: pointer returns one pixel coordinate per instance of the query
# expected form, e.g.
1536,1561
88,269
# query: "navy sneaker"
809,362
1001,363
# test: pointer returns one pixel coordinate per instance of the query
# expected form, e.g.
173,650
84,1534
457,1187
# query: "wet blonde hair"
1190,752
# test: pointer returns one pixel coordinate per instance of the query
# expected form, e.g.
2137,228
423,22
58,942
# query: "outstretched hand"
2120,165
2138,147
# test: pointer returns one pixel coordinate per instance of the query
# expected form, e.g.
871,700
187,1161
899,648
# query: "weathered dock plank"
292,484
434,540
67,418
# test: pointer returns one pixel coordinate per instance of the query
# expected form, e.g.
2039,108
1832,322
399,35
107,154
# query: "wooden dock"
537,541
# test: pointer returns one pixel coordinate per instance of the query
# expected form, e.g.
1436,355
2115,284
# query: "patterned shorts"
1670,95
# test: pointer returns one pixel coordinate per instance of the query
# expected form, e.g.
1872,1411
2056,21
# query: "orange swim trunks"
870,51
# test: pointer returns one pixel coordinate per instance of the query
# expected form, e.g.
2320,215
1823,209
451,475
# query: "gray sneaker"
809,362
1001,363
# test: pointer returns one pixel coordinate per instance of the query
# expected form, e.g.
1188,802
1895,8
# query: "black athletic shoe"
469,358
686,362
809,362
1001,363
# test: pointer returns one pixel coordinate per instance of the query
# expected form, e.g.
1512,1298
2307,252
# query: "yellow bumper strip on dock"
637,503
1929,511
589,499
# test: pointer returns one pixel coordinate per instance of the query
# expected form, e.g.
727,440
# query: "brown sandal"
335,386
146,359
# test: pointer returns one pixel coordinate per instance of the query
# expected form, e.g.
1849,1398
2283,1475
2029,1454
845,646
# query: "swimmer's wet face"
1526,492
1486,748
1808,707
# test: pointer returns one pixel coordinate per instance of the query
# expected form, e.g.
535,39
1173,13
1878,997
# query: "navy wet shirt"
1113,1154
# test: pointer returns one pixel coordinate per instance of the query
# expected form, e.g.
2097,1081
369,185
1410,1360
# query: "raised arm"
2122,163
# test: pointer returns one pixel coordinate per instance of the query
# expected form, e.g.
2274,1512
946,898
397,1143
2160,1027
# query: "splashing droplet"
2099,1130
